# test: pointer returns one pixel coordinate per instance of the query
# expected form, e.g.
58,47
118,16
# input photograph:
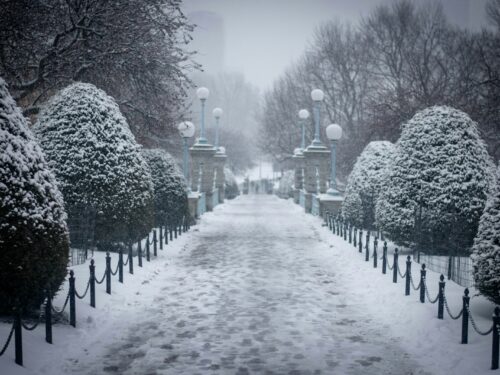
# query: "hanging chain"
84,293
63,308
401,274
117,267
486,333
427,294
102,279
6,345
449,312
413,283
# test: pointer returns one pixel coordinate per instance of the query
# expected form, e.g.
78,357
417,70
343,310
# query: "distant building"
208,40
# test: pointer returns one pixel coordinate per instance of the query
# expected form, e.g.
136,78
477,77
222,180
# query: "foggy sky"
260,38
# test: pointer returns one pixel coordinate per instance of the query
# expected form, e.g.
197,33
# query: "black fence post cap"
396,251
423,267
408,258
466,292
71,273
441,277
92,262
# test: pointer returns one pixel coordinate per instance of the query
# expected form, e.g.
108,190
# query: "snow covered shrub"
486,249
33,233
437,183
98,163
231,190
170,190
285,187
365,183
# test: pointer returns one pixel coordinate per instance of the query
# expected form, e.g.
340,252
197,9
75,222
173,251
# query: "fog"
260,38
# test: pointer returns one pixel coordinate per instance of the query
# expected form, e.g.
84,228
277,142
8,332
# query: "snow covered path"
252,292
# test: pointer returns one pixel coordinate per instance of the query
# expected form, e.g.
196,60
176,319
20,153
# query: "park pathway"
254,292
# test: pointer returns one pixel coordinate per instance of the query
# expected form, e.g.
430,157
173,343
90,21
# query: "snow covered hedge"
486,249
231,189
98,163
365,182
170,190
33,233
437,184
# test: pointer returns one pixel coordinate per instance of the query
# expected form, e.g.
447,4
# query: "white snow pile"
365,183
486,250
441,173
28,189
95,157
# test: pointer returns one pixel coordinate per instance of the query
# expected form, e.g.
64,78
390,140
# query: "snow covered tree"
365,183
33,233
170,190
437,184
285,185
486,249
98,163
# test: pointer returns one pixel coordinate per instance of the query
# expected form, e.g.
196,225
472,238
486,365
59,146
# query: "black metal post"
350,233
384,258
367,248
72,304
180,228
92,283
375,256
408,275
48,318
120,266
345,231
139,253
130,260
18,338
465,316
166,234
422,283
495,342
441,297
161,237
360,242
108,273
395,266
354,237
155,243
171,232
449,267
329,220
148,249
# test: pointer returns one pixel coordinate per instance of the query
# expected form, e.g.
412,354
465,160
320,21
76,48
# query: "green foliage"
437,184
170,190
33,233
486,250
97,163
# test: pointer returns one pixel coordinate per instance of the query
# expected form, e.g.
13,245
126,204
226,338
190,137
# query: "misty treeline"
240,101
134,50
377,74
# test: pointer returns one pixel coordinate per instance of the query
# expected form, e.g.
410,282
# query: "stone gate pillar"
202,161
317,170
298,183
220,181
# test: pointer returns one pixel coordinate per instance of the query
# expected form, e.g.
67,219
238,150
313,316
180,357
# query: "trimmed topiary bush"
437,184
365,183
170,189
486,249
98,163
33,233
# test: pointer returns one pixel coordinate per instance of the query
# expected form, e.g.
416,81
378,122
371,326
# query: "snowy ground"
259,287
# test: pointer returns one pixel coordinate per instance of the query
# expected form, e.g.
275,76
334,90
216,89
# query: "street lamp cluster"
333,133
204,173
